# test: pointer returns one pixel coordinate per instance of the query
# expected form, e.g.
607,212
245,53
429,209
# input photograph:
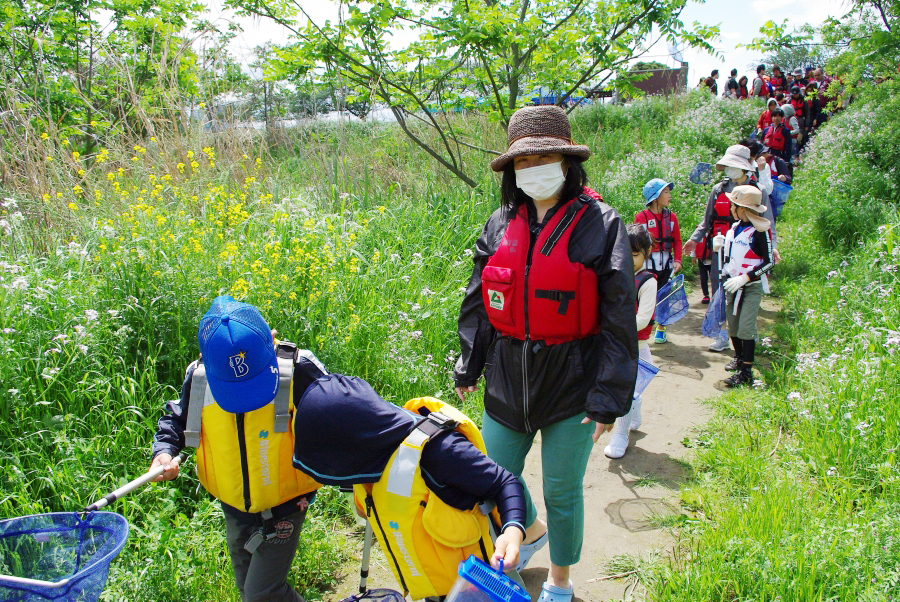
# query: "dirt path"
622,495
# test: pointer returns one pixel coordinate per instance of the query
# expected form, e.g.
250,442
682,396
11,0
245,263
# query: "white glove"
733,284
718,242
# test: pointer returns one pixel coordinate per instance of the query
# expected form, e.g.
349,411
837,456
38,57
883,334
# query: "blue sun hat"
239,356
654,188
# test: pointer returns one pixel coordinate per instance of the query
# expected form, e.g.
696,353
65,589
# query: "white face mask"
734,173
541,182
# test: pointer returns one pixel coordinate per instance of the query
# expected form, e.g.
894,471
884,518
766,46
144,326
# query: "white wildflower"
91,314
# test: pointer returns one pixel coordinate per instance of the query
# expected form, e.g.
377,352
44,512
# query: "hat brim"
539,145
760,209
238,397
734,162
669,185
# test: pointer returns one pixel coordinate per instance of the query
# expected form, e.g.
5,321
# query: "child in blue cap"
662,224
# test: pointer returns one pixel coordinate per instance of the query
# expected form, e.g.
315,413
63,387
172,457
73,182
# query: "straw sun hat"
536,131
750,198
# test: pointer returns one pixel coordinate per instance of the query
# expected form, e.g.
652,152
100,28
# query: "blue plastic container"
779,196
69,555
478,582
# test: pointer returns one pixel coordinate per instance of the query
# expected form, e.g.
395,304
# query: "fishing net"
671,302
715,315
61,549
780,192
646,372
701,174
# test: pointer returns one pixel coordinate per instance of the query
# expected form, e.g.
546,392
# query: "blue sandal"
527,550
551,593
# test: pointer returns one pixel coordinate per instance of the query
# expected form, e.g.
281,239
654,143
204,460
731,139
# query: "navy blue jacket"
345,434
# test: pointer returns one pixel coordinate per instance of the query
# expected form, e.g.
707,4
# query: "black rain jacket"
529,384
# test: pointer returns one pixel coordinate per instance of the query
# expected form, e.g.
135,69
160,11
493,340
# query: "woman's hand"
461,392
507,547
677,268
689,247
172,468
601,428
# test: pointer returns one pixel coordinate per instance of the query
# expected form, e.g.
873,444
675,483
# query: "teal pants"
565,449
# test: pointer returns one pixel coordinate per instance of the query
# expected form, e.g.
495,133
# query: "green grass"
351,241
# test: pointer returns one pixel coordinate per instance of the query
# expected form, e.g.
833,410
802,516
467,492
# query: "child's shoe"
618,443
721,343
733,365
660,336
705,300
742,378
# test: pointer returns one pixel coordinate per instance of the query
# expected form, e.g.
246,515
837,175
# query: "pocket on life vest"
497,286
449,526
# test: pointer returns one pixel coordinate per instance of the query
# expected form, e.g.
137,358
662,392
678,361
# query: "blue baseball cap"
654,188
239,356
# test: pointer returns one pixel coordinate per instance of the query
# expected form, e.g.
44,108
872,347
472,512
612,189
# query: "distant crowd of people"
799,101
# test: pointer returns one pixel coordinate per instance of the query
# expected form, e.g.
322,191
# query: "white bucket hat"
749,197
736,156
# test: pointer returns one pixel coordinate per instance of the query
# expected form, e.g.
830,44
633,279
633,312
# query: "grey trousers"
262,576
743,325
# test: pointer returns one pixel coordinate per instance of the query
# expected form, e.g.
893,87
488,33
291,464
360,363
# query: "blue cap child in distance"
239,354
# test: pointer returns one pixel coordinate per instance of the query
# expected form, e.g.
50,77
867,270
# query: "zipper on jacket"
532,240
245,472
370,509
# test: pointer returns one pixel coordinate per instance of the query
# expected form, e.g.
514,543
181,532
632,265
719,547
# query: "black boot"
742,378
735,363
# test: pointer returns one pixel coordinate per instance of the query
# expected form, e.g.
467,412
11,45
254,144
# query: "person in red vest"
550,310
662,224
778,81
777,136
759,83
743,93
801,110
765,119
645,285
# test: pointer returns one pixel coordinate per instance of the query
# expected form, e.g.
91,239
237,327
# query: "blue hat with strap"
654,188
239,355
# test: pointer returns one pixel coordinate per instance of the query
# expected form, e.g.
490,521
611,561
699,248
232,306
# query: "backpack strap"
403,469
286,354
196,401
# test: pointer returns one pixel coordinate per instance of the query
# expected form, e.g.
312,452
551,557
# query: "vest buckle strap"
562,297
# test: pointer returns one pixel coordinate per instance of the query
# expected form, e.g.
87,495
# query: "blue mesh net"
701,174
671,302
779,196
715,314
56,546
646,372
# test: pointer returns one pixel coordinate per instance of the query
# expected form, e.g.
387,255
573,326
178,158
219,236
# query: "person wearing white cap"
749,257
717,218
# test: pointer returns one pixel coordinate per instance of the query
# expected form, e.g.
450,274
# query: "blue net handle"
673,286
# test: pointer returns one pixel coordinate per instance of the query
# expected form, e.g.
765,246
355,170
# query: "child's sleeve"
762,246
760,124
640,218
458,473
646,303
169,436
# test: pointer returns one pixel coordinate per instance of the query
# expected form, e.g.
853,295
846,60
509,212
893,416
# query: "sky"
739,23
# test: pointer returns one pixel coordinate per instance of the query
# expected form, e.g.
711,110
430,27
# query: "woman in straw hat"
550,311
749,257
738,165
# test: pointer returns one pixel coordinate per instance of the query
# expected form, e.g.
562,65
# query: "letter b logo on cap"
238,364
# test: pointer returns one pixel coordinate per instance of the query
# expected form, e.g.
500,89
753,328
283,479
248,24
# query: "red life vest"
639,279
798,104
778,81
536,292
774,137
663,224
721,221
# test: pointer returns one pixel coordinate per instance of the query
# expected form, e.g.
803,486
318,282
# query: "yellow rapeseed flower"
75,155
381,209
81,172
46,197
93,123
65,142
73,206
44,135
49,158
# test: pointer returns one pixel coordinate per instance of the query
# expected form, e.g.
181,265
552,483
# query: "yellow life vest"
244,460
424,538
